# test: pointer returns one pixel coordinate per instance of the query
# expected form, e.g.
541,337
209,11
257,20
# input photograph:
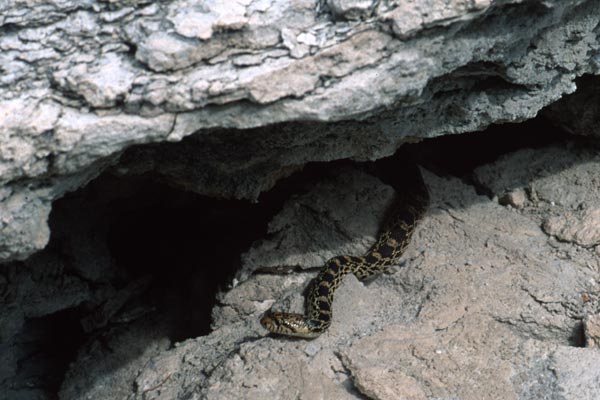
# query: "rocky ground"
496,297
135,135
84,81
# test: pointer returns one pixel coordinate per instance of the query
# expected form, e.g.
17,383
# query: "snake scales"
386,251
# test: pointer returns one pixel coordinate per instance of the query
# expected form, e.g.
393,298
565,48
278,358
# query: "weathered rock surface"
83,81
297,234
499,298
592,331
488,305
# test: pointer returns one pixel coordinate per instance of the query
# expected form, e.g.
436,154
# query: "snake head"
289,324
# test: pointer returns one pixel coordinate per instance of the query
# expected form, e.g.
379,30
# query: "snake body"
386,251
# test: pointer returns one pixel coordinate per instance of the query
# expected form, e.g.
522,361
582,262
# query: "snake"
408,208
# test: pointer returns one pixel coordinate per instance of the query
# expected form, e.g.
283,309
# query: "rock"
410,17
32,294
351,9
577,373
483,290
434,363
224,99
572,214
582,227
515,198
579,112
310,220
120,351
255,362
576,186
592,331
84,81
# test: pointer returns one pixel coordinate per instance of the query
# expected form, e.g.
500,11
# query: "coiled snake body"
389,247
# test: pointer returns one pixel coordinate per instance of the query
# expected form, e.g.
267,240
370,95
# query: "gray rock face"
313,224
592,331
83,81
500,298
490,304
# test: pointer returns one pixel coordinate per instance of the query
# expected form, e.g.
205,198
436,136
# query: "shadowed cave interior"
169,251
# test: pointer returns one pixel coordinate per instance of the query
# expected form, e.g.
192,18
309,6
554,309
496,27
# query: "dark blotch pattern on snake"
389,247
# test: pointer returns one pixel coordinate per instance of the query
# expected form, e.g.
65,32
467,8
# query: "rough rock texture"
489,304
84,80
137,342
295,234
500,296
592,331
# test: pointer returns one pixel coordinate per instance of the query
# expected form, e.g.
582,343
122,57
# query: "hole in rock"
459,155
168,250
577,338
47,345
144,247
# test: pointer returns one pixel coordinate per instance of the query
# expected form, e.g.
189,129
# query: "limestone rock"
436,363
582,228
124,350
564,177
516,198
307,222
577,375
488,306
592,331
224,99
84,81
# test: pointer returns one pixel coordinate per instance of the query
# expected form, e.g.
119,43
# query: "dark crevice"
182,247
8,29
459,155
131,49
479,76
187,244
577,338
49,344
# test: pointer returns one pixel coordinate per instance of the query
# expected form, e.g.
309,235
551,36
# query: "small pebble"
515,198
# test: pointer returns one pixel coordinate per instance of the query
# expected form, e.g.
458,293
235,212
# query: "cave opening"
47,345
179,246
165,252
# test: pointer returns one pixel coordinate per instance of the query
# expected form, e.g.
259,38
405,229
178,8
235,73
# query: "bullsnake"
389,247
